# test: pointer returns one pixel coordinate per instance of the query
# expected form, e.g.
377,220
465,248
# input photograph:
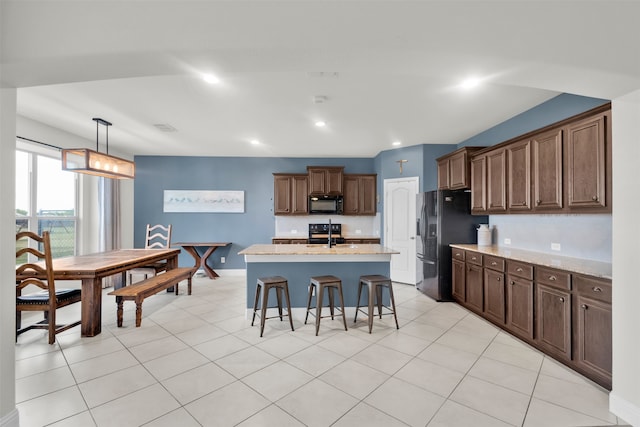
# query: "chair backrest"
31,273
158,237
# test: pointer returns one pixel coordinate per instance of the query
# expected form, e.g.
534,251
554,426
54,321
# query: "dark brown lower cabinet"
592,328
494,295
520,307
474,292
553,324
458,280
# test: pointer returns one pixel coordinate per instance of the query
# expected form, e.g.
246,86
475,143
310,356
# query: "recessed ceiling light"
396,143
255,142
320,124
470,83
211,79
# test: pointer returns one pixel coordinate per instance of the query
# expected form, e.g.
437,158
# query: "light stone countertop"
574,265
342,249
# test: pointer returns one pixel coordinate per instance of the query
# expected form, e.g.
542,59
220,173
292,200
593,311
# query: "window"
46,198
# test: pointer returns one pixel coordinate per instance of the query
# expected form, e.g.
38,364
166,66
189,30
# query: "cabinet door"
299,195
474,293
520,307
519,175
585,168
547,170
334,178
458,171
496,182
494,298
351,195
458,280
443,174
281,195
553,313
478,185
317,182
593,338
367,189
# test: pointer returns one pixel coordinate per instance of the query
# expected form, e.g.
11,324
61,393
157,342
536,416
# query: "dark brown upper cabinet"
547,170
454,169
325,180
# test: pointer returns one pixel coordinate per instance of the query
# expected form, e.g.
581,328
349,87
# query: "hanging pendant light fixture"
84,160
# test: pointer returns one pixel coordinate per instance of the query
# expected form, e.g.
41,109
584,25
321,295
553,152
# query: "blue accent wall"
554,110
253,175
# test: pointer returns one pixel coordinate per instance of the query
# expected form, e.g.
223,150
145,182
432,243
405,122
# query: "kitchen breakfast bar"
298,263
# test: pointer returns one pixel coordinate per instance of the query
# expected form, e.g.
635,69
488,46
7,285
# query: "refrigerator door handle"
417,226
427,261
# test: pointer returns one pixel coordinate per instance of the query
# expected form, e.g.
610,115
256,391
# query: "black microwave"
325,205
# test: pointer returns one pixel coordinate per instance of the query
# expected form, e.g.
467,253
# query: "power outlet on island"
223,260
555,246
507,241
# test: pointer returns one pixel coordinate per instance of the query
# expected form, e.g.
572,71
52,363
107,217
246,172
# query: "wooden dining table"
92,268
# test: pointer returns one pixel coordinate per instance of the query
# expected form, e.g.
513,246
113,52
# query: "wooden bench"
140,290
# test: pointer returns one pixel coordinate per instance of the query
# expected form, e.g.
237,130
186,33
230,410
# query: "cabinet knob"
498,278
594,198
538,202
473,258
584,306
494,263
458,255
596,289
561,299
519,270
512,283
553,278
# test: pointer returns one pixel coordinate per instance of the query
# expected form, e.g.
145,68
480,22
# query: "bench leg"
177,283
138,313
119,311
189,285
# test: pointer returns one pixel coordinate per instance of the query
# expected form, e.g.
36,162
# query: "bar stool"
375,283
317,286
278,283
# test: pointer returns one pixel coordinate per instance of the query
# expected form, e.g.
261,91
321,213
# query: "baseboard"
12,419
624,409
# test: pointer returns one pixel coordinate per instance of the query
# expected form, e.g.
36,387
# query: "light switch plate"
223,260
507,241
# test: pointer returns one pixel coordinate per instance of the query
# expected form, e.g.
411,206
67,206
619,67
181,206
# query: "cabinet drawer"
473,257
520,269
494,263
457,254
593,288
551,277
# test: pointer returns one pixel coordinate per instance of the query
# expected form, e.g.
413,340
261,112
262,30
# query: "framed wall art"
203,201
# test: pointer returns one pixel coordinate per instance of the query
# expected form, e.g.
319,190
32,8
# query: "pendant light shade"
84,160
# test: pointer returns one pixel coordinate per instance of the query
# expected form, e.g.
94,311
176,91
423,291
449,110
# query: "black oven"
325,205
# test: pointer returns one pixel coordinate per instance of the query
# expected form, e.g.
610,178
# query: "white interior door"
400,227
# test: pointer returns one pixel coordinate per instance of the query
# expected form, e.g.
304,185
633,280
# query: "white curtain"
109,222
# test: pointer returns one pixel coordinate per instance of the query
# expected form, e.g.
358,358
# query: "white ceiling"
390,70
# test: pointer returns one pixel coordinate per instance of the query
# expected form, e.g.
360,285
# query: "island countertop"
317,253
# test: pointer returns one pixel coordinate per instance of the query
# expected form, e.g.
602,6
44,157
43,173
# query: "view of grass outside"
45,201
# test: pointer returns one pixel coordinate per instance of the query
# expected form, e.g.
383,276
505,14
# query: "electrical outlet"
294,231
223,260
555,246
507,241
358,231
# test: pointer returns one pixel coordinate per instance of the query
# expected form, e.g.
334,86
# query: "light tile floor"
196,361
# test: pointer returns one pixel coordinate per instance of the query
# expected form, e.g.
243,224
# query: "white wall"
625,396
8,411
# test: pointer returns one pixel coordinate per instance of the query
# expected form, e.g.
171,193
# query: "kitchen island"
298,263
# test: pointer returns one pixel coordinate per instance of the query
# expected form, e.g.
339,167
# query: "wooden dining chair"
48,299
158,237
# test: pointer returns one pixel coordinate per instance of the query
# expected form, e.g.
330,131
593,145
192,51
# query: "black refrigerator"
443,217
